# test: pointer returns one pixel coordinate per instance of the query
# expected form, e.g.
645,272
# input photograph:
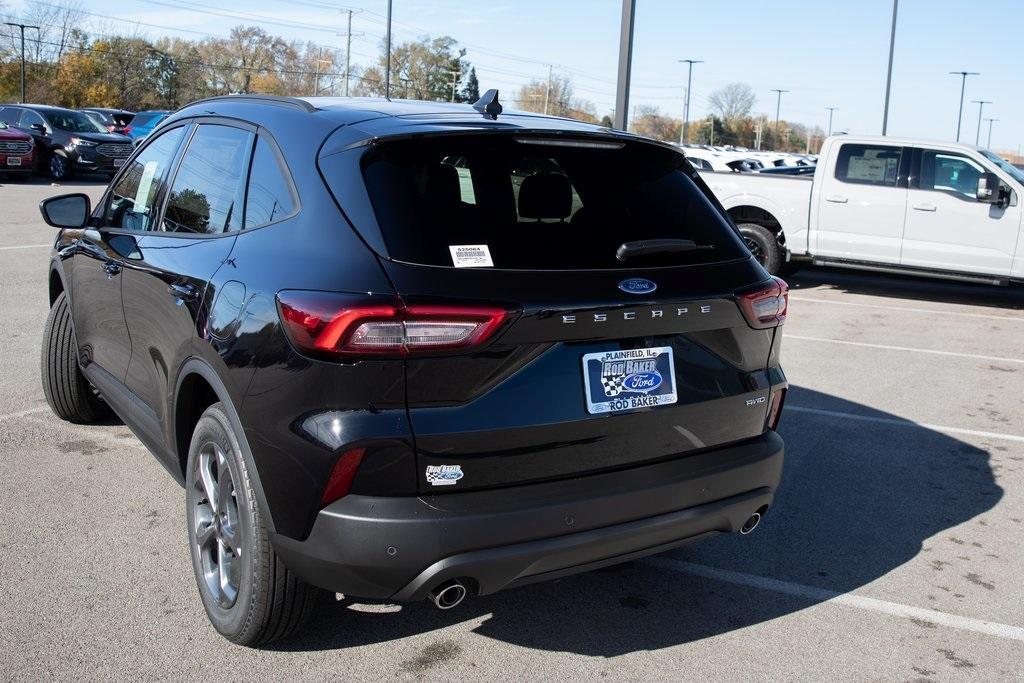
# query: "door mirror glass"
66,210
988,189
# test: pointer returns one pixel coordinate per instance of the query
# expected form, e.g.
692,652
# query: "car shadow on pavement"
907,287
858,499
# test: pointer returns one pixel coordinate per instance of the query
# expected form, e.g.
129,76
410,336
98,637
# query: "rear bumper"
401,548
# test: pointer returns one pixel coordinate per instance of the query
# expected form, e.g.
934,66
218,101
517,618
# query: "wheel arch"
748,213
56,284
197,388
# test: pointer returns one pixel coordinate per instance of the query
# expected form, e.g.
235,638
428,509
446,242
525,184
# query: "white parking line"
824,595
26,246
907,309
905,423
975,356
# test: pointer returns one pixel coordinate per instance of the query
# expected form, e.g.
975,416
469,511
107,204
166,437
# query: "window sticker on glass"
145,184
471,255
876,170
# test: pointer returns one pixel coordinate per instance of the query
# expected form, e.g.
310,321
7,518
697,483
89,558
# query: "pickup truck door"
862,203
947,227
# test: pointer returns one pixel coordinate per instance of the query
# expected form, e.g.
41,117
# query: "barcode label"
471,255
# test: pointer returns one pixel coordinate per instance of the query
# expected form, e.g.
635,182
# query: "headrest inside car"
545,195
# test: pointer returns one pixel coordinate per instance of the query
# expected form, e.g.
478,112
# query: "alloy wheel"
217,532
58,166
755,249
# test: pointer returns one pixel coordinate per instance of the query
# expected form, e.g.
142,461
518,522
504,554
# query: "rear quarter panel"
787,199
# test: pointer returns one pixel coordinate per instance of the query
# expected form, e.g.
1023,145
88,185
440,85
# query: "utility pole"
22,27
988,145
316,78
686,105
348,47
888,77
547,90
387,60
963,85
778,107
981,105
757,136
711,120
625,64
455,80
831,110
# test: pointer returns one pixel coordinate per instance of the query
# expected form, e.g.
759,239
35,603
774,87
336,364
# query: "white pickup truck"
887,204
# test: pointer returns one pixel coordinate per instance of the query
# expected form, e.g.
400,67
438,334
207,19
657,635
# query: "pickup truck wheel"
249,595
66,389
763,245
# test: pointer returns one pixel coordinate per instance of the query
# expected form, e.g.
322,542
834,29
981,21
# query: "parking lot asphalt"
894,550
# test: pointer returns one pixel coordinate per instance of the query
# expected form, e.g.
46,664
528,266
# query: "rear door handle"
924,207
183,293
836,199
111,268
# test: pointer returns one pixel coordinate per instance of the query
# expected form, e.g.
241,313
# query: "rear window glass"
525,202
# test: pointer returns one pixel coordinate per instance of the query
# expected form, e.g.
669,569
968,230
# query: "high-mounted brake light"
766,306
327,324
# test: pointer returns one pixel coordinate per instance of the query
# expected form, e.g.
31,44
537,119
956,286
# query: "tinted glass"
868,164
9,115
29,117
209,187
537,203
133,198
143,118
948,172
73,122
269,197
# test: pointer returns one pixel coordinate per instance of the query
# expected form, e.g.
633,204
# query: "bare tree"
733,101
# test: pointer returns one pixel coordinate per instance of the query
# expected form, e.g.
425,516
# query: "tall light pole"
831,110
778,107
686,105
625,64
988,145
888,76
981,105
963,84
22,27
387,60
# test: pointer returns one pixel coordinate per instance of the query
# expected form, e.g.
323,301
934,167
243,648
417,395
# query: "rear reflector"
765,306
325,323
340,481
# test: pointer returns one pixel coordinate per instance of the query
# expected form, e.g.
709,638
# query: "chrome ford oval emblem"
637,285
642,381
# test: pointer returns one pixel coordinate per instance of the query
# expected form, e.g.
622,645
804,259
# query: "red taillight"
344,472
775,408
333,324
765,306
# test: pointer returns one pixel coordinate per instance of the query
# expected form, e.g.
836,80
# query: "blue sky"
825,52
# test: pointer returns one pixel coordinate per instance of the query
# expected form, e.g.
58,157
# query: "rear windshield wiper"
628,250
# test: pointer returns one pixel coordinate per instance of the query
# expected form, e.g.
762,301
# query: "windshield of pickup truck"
539,202
1015,172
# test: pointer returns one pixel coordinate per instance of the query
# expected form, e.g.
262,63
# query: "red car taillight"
328,324
767,305
344,472
778,399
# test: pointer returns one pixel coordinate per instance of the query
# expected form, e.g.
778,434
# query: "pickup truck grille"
16,147
118,150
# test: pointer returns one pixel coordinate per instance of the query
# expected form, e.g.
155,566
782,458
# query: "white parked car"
892,204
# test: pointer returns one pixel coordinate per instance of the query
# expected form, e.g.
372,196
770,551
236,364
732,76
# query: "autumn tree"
649,121
733,101
422,69
555,97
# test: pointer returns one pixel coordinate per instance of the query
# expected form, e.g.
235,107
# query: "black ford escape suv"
402,350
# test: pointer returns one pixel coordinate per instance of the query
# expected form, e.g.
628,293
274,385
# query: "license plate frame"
626,380
14,161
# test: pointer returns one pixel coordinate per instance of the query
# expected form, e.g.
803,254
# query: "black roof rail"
265,99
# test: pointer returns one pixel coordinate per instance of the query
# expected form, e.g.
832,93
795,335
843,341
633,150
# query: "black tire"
59,165
266,601
69,394
764,246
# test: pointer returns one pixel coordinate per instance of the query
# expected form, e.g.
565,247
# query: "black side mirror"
39,128
66,210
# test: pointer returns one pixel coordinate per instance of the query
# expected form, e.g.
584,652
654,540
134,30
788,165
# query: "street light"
888,75
990,122
22,27
686,105
831,110
963,84
981,105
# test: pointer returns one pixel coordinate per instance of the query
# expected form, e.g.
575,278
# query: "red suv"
17,151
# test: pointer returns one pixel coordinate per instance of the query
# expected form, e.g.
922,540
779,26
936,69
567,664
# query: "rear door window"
208,193
868,164
536,202
270,195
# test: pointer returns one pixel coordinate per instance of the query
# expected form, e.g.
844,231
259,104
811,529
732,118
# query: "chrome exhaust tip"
751,524
448,594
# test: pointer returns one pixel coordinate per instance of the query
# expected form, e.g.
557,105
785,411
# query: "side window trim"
286,173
